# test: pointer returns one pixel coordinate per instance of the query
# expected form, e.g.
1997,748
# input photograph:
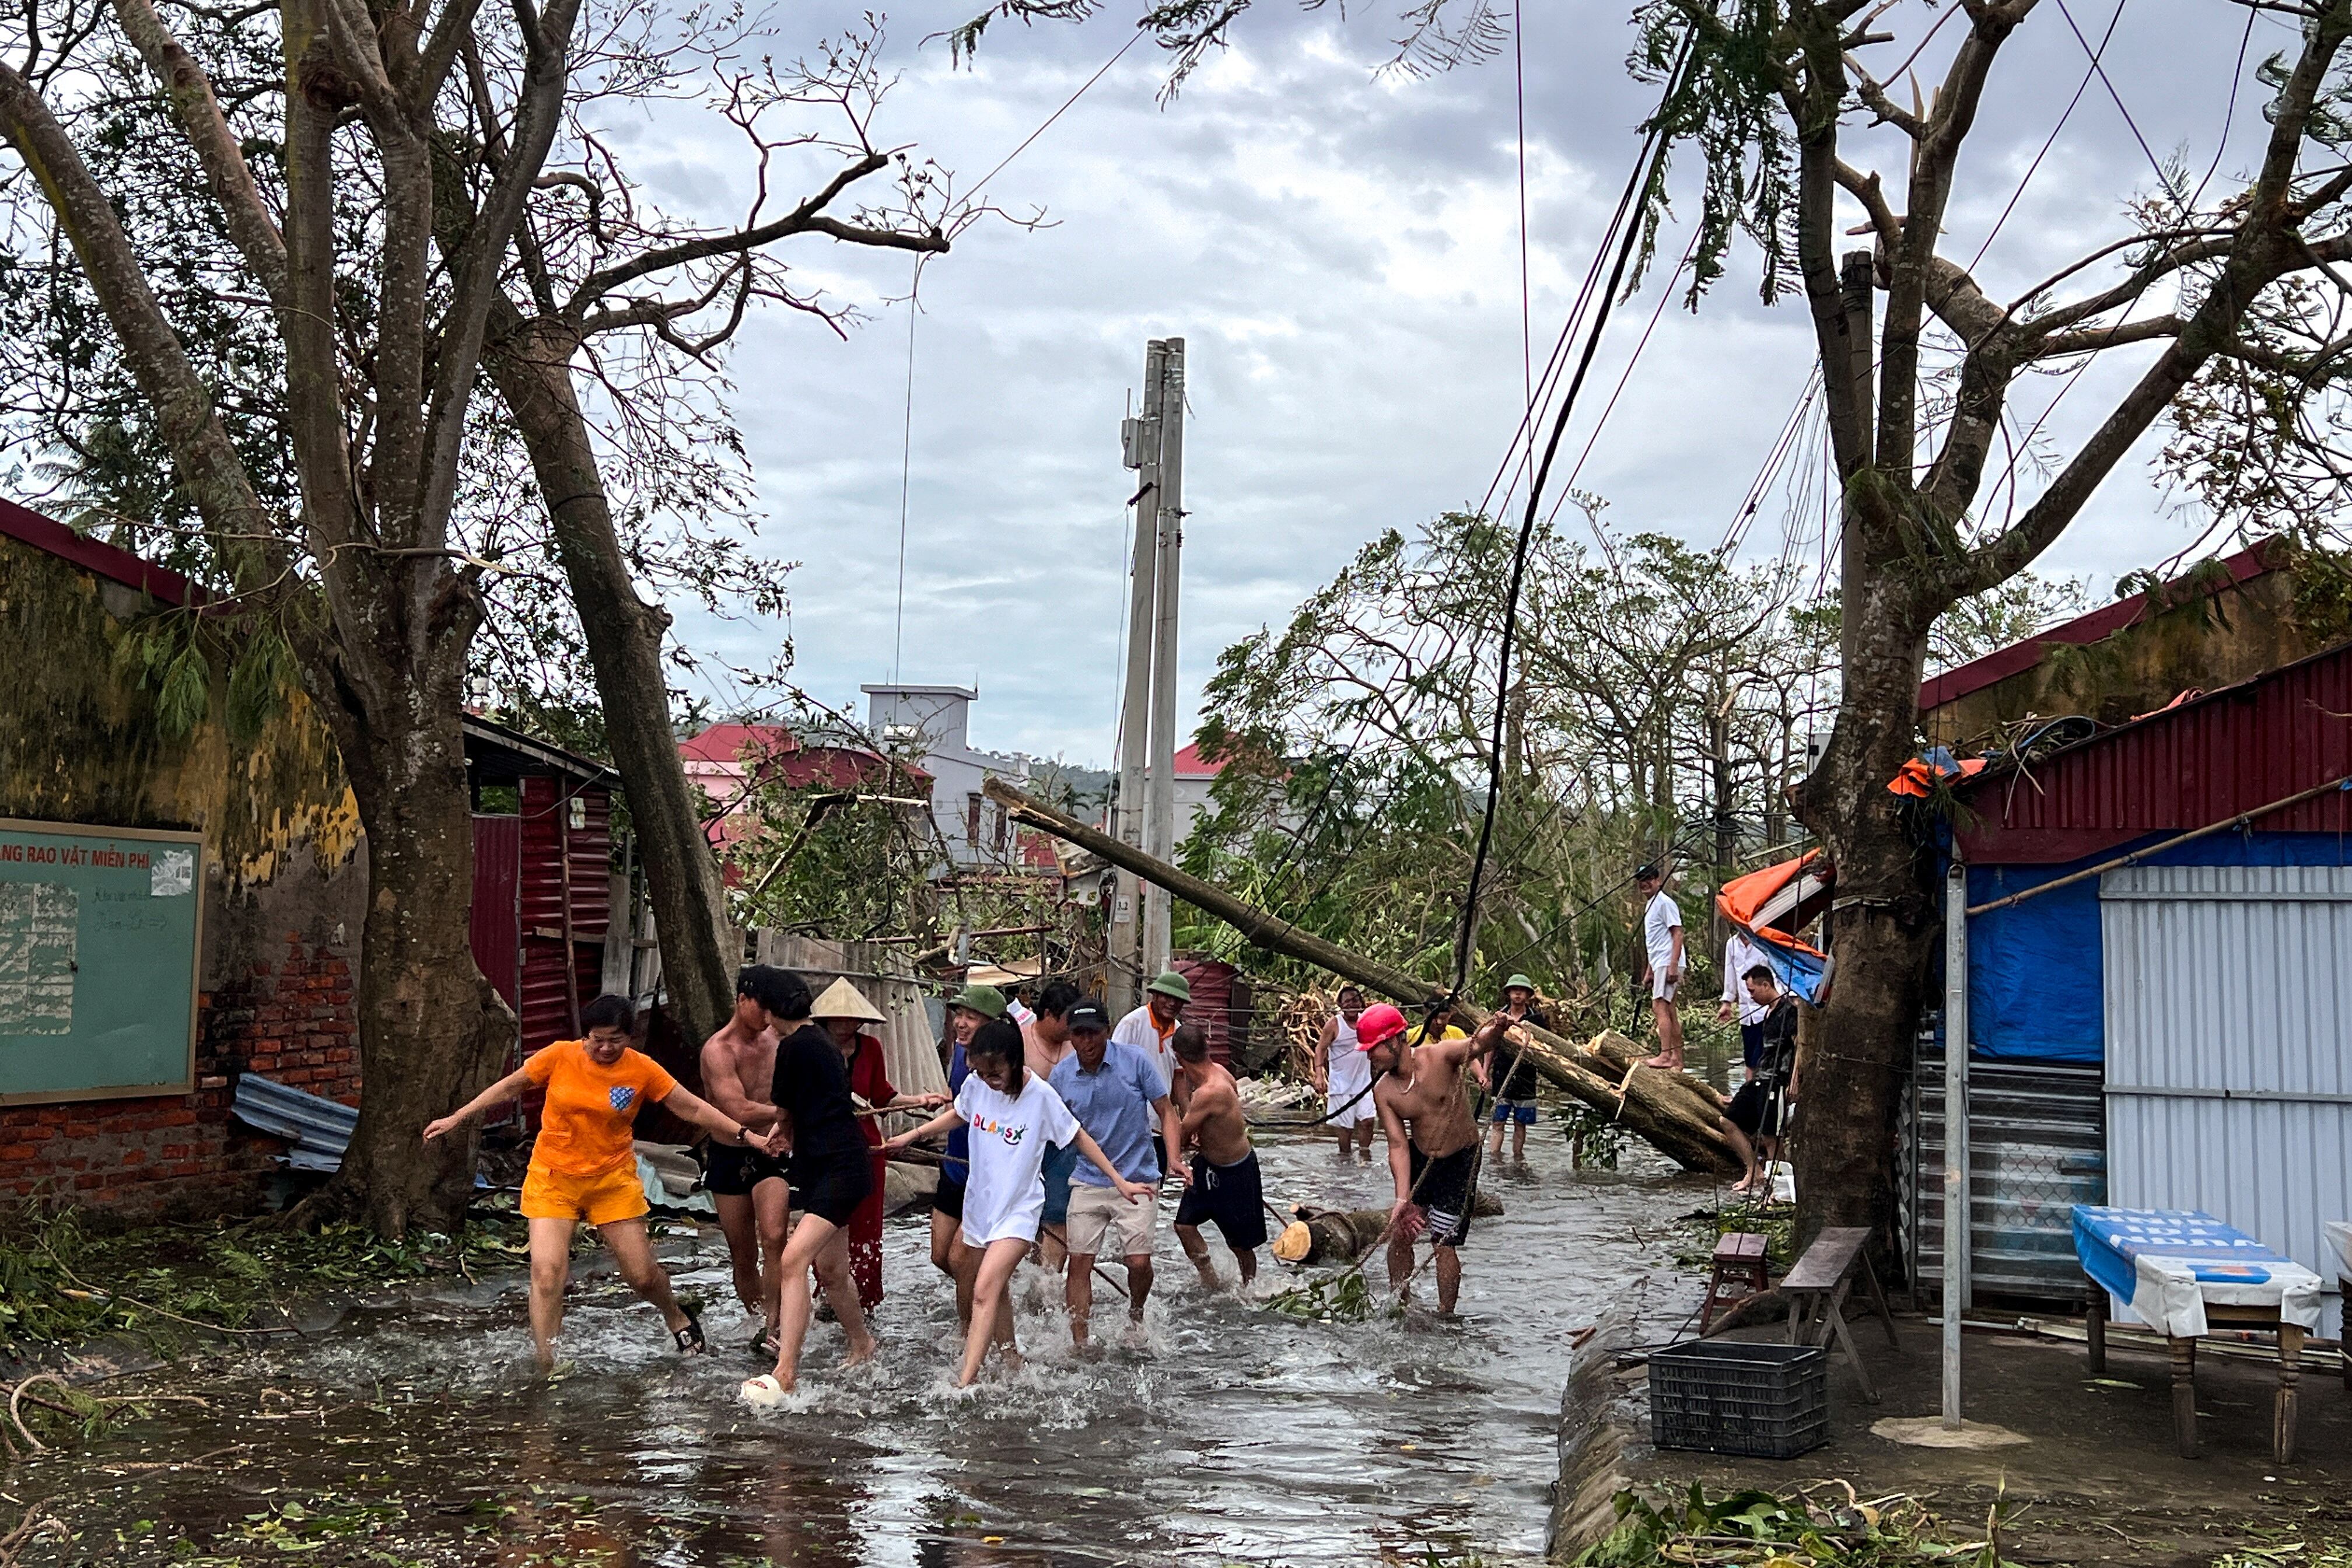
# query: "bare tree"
613,302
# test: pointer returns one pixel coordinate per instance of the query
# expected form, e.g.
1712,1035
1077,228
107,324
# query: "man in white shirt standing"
1150,1027
1740,956
1662,943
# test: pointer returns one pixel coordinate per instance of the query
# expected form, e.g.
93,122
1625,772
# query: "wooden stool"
1739,1262
1817,1288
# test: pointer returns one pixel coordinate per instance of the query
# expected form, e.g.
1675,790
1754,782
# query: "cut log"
1343,1236
1673,1113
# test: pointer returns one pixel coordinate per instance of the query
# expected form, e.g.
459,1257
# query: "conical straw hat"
843,1000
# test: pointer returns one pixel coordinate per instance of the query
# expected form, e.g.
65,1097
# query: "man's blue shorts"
1522,1111
1060,1162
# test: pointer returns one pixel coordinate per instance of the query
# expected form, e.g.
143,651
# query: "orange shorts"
615,1194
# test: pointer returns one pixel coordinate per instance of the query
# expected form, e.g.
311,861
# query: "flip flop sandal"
764,1347
689,1338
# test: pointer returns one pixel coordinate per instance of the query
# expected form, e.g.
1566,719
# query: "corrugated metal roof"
2227,1085
2207,760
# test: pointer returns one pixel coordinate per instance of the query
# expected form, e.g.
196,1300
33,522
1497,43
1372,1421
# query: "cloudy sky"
1338,245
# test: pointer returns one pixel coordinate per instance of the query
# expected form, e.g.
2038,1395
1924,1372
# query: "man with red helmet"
1433,1142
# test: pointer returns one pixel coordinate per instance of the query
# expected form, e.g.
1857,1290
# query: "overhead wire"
1644,167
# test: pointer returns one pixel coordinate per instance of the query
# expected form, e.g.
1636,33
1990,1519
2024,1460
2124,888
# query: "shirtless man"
748,1186
1225,1186
1435,1162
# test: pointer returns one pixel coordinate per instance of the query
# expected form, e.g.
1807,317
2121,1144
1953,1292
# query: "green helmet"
985,1000
1519,983
1171,984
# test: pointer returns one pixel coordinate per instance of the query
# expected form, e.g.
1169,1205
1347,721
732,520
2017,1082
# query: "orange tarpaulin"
1771,903
1918,776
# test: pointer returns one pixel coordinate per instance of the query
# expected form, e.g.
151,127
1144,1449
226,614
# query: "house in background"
1194,775
728,762
934,723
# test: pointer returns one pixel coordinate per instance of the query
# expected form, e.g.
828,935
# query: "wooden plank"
1739,1246
1829,1258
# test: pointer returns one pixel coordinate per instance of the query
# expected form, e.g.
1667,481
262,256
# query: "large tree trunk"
1884,922
530,363
433,1030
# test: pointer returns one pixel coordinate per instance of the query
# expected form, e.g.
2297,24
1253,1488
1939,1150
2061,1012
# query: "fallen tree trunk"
1343,1236
1675,1113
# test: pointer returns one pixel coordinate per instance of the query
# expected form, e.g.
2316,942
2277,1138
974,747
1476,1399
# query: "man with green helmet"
1511,1075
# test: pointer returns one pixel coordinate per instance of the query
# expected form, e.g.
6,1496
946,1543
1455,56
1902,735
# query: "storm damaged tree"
1920,420
304,354
614,305
2225,299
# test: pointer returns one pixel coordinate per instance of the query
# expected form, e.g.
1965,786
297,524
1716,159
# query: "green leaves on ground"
1827,1526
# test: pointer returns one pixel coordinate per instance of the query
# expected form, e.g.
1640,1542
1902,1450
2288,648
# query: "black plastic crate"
1726,1397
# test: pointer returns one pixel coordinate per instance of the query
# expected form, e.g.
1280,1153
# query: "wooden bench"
1817,1288
1741,1271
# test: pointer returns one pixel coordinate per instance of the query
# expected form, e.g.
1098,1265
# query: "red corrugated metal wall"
561,820
1212,1004
2187,767
491,928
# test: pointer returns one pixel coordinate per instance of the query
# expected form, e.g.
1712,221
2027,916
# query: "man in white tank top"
1344,1074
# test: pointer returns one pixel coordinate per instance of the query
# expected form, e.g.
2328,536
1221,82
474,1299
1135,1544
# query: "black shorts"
732,1172
831,1186
1442,1188
1230,1195
1755,1110
949,1199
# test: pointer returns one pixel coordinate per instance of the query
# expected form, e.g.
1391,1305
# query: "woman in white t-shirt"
1013,1115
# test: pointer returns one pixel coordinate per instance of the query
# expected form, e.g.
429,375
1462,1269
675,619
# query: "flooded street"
412,1430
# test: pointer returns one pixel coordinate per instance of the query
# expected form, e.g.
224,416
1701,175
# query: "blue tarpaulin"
2035,987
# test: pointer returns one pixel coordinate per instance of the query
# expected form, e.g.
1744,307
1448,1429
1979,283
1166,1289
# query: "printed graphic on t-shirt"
1011,1135
621,1096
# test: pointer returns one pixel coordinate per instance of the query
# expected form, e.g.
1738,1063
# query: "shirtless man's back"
1225,1187
1433,1142
746,1186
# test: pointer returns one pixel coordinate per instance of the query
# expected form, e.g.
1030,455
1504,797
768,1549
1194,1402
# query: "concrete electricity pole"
1139,449
1159,796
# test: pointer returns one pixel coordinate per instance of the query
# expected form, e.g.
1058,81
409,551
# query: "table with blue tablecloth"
2183,1272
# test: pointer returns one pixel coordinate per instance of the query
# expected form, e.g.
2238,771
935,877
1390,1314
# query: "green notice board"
99,938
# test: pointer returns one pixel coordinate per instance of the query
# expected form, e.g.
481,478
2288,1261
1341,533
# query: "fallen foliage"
1825,1526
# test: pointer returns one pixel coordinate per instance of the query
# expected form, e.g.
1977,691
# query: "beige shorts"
1103,1223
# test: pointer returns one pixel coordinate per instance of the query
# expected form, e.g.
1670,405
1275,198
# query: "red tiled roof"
95,555
1190,764
774,747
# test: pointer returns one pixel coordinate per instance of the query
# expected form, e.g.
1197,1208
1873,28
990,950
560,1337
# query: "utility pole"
1140,449
1159,795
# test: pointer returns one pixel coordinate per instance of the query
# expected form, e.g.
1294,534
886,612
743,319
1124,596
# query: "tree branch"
226,174
804,218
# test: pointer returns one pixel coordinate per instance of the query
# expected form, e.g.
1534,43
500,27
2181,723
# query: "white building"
933,723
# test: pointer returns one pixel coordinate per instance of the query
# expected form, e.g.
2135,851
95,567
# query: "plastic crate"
1725,1396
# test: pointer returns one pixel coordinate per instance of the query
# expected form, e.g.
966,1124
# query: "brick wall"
287,1016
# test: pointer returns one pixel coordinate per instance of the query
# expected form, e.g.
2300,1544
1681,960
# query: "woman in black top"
829,1172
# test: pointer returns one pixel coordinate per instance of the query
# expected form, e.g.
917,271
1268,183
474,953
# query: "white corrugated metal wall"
2228,1070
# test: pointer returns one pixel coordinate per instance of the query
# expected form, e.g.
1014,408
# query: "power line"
1644,166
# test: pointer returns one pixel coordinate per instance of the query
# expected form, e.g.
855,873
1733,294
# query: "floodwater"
411,1429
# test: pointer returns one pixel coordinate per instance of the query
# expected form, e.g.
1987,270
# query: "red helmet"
1376,1024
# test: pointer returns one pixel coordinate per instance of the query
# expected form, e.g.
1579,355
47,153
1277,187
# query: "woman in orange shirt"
584,1166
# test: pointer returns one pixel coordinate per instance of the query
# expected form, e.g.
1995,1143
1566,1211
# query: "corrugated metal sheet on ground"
2034,1151
2186,767
2229,1008
910,1050
318,1129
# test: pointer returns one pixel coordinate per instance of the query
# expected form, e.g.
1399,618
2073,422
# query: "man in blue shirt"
1116,1094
